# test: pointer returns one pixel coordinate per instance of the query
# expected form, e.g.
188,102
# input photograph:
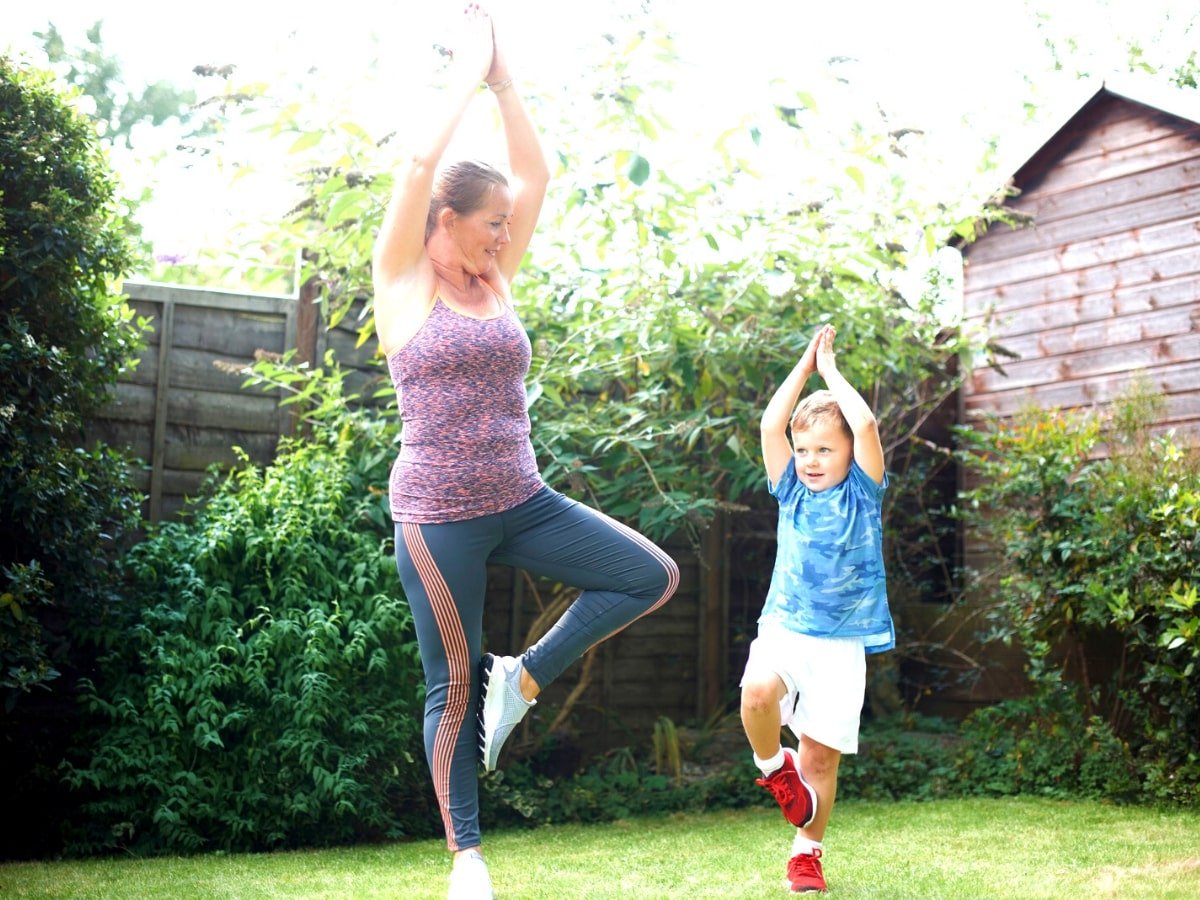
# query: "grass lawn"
953,848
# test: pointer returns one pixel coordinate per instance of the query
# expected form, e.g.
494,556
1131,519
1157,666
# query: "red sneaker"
794,795
804,873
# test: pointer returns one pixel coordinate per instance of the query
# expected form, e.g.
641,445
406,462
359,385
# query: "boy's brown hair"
819,406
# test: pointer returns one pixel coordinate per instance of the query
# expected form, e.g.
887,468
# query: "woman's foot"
469,879
504,706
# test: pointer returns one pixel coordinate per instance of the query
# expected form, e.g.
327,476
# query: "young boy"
827,604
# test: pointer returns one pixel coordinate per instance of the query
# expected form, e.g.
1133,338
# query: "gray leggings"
444,572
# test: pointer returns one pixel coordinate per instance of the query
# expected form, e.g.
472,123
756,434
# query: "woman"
465,489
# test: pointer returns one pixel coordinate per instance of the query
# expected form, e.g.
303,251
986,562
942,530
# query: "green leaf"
306,141
639,169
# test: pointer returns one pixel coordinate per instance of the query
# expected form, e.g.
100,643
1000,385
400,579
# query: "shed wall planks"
1106,282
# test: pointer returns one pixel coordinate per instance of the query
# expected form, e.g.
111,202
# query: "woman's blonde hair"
463,187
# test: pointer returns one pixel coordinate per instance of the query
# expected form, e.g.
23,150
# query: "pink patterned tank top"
465,449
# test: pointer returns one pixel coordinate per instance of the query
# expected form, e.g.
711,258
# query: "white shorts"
826,680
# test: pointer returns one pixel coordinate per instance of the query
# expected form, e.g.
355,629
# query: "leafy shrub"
65,503
618,786
615,788
663,316
1100,553
267,692
901,757
1044,744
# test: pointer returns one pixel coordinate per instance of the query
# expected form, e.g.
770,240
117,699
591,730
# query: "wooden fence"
181,413
177,411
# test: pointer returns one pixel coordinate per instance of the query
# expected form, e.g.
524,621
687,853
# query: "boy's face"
823,454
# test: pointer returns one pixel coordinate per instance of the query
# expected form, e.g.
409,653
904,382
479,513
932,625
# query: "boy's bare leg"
760,714
820,766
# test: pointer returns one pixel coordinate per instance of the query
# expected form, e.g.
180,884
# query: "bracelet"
498,86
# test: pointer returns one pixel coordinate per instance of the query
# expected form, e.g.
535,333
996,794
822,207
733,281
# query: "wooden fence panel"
654,668
177,410
182,414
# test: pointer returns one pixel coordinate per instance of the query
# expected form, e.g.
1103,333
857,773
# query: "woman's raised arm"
400,244
525,159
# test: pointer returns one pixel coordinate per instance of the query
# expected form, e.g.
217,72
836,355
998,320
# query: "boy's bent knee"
761,695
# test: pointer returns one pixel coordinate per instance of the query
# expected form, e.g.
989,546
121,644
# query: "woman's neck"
456,276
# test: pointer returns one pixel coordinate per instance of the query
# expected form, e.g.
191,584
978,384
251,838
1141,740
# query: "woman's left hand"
499,71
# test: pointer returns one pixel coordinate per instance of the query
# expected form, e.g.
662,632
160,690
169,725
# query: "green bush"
1044,744
901,757
1101,555
65,503
616,787
619,785
268,691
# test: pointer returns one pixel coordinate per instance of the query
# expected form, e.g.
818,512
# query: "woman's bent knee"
664,583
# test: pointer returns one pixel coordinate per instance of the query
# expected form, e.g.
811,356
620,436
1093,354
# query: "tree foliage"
117,107
667,298
65,502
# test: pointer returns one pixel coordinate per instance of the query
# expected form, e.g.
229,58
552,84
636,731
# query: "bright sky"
957,71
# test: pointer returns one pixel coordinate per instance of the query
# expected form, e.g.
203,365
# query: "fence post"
714,616
308,330
166,337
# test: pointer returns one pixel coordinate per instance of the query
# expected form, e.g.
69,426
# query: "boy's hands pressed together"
825,361
808,362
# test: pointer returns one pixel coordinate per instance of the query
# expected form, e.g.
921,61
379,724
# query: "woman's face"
481,234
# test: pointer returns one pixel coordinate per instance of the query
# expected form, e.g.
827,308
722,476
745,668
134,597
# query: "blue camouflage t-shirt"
828,579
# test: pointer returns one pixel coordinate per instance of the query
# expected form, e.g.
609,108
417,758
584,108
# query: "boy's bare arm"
777,452
868,449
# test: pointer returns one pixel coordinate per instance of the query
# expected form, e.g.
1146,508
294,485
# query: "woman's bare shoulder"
499,285
402,305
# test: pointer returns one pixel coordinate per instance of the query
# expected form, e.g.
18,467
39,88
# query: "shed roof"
1091,94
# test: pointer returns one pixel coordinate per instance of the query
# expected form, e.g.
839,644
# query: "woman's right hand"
473,44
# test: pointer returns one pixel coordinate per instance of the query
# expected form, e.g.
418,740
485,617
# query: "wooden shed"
1105,282
1100,287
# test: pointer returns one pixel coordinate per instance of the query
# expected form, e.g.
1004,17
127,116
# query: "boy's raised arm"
777,452
868,449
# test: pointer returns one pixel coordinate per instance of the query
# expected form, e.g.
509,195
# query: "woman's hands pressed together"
474,44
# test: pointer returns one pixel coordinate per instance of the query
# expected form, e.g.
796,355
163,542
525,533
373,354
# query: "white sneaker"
503,704
469,879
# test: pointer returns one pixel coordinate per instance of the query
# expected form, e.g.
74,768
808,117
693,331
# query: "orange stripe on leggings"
654,550
454,640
